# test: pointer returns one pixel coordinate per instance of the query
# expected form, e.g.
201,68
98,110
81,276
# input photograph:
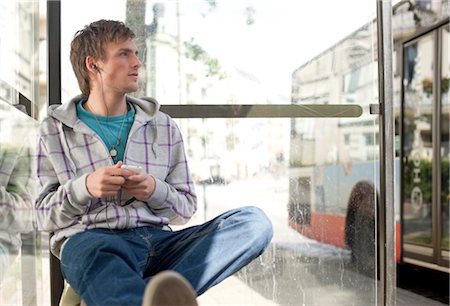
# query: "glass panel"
315,178
19,277
332,166
211,52
19,53
445,144
23,269
418,147
252,168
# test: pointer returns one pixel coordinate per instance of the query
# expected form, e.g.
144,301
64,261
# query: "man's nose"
137,62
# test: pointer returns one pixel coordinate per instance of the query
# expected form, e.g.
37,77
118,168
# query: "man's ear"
91,64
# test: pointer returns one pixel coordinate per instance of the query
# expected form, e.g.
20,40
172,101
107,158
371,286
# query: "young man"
111,224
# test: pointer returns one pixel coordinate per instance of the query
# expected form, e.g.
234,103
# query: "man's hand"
106,181
140,185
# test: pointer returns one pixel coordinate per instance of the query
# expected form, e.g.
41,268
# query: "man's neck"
106,104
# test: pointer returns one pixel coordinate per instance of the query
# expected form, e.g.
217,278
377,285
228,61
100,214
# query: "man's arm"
174,197
57,206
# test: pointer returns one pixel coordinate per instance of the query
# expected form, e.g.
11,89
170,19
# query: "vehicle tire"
364,246
360,228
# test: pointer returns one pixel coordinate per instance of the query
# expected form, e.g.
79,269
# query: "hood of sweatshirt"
146,109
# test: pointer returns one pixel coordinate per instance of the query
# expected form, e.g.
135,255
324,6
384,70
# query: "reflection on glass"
213,52
237,162
22,85
445,144
332,178
418,148
16,200
235,52
19,50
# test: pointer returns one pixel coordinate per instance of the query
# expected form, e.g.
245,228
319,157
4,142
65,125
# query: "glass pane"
215,52
315,178
418,147
445,145
18,238
332,175
19,53
23,269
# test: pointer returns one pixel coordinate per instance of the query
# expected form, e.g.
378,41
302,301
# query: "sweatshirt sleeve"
174,197
58,205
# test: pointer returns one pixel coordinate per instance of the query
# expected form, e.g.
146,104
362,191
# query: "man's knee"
258,225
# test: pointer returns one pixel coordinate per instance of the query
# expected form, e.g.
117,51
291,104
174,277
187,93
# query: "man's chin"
134,89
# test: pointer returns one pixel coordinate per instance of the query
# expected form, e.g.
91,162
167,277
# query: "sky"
285,33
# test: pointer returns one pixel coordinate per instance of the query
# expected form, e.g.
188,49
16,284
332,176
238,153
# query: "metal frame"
54,97
386,216
439,215
54,51
263,111
434,260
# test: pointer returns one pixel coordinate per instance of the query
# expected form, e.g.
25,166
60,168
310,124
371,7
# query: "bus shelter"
332,117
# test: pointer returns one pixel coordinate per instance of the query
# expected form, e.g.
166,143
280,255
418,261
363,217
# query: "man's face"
119,69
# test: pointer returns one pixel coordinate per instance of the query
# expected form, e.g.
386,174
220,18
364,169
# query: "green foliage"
445,244
212,4
213,66
424,239
445,167
425,176
427,85
445,84
425,183
197,53
194,51
250,13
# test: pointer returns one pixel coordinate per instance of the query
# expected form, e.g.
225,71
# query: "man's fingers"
137,177
115,180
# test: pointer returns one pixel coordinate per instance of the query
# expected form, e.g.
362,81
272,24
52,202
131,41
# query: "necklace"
113,150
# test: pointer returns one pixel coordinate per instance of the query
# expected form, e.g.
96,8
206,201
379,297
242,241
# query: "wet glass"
18,249
303,172
20,53
23,277
418,145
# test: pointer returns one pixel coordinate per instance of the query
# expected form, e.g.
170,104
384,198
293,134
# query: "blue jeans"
112,267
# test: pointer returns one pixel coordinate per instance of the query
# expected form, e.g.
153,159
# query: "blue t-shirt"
109,127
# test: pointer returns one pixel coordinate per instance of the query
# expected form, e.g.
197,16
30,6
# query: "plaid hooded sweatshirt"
68,151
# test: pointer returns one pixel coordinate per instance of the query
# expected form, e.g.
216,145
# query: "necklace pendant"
113,153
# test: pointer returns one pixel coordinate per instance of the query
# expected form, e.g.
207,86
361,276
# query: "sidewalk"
233,291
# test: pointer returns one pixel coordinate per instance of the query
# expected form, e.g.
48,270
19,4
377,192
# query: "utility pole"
135,19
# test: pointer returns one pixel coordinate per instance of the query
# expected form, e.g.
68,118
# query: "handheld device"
133,168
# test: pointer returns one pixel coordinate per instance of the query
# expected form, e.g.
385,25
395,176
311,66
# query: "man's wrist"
78,190
152,186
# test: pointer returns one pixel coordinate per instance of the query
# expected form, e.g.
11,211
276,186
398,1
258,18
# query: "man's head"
92,41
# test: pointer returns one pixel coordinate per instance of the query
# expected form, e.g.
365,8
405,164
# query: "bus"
333,163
